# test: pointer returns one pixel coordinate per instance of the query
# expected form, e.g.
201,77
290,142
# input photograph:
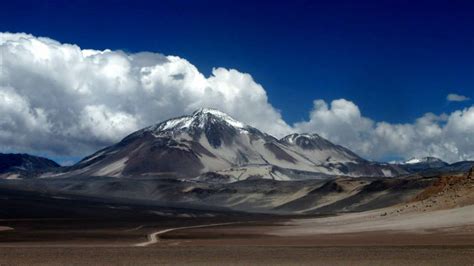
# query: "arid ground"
265,242
434,228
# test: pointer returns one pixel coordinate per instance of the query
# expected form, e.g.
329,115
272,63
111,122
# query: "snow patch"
198,119
183,122
225,117
413,161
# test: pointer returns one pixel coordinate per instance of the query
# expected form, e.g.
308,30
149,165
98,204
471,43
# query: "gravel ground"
238,255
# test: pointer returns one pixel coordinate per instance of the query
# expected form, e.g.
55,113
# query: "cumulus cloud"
65,100
62,99
447,136
453,97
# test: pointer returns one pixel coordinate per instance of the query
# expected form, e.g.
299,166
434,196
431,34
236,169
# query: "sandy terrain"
459,218
446,205
232,255
266,242
436,227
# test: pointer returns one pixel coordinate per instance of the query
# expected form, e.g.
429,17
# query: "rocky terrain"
314,196
24,165
432,225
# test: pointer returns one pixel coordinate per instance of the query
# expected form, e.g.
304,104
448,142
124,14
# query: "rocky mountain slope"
423,164
20,165
209,142
312,196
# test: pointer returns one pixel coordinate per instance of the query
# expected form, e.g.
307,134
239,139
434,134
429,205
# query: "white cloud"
66,100
62,99
449,137
453,97
104,123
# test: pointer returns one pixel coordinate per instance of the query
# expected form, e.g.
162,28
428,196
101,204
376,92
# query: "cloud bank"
447,136
67,101
453,97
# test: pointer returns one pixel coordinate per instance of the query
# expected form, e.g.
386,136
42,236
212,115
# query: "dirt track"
153,238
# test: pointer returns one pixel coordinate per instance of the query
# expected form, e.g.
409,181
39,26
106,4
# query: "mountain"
211,142
321,151
425,160
15,165
423,164
462,166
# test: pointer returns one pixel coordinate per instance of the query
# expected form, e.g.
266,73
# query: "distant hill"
23,164
423,164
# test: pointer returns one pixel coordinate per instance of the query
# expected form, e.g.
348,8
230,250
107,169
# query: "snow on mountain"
198,119
422,164
423,160
211,141
413,161
319,149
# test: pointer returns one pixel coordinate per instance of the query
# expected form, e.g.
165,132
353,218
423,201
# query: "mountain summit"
199,119
427,159
422,164
216,126
210,141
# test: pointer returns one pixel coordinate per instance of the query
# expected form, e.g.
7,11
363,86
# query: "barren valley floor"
265,242
436,227
238,255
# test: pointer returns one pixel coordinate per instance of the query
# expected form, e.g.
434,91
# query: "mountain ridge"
209,145
14,165
209,140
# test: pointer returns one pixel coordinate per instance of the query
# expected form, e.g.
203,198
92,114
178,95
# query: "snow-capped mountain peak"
199,119
422,164
209,140
304,137
427,159
413,161
203,112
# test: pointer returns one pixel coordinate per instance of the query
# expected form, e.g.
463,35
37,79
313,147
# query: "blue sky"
395,60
